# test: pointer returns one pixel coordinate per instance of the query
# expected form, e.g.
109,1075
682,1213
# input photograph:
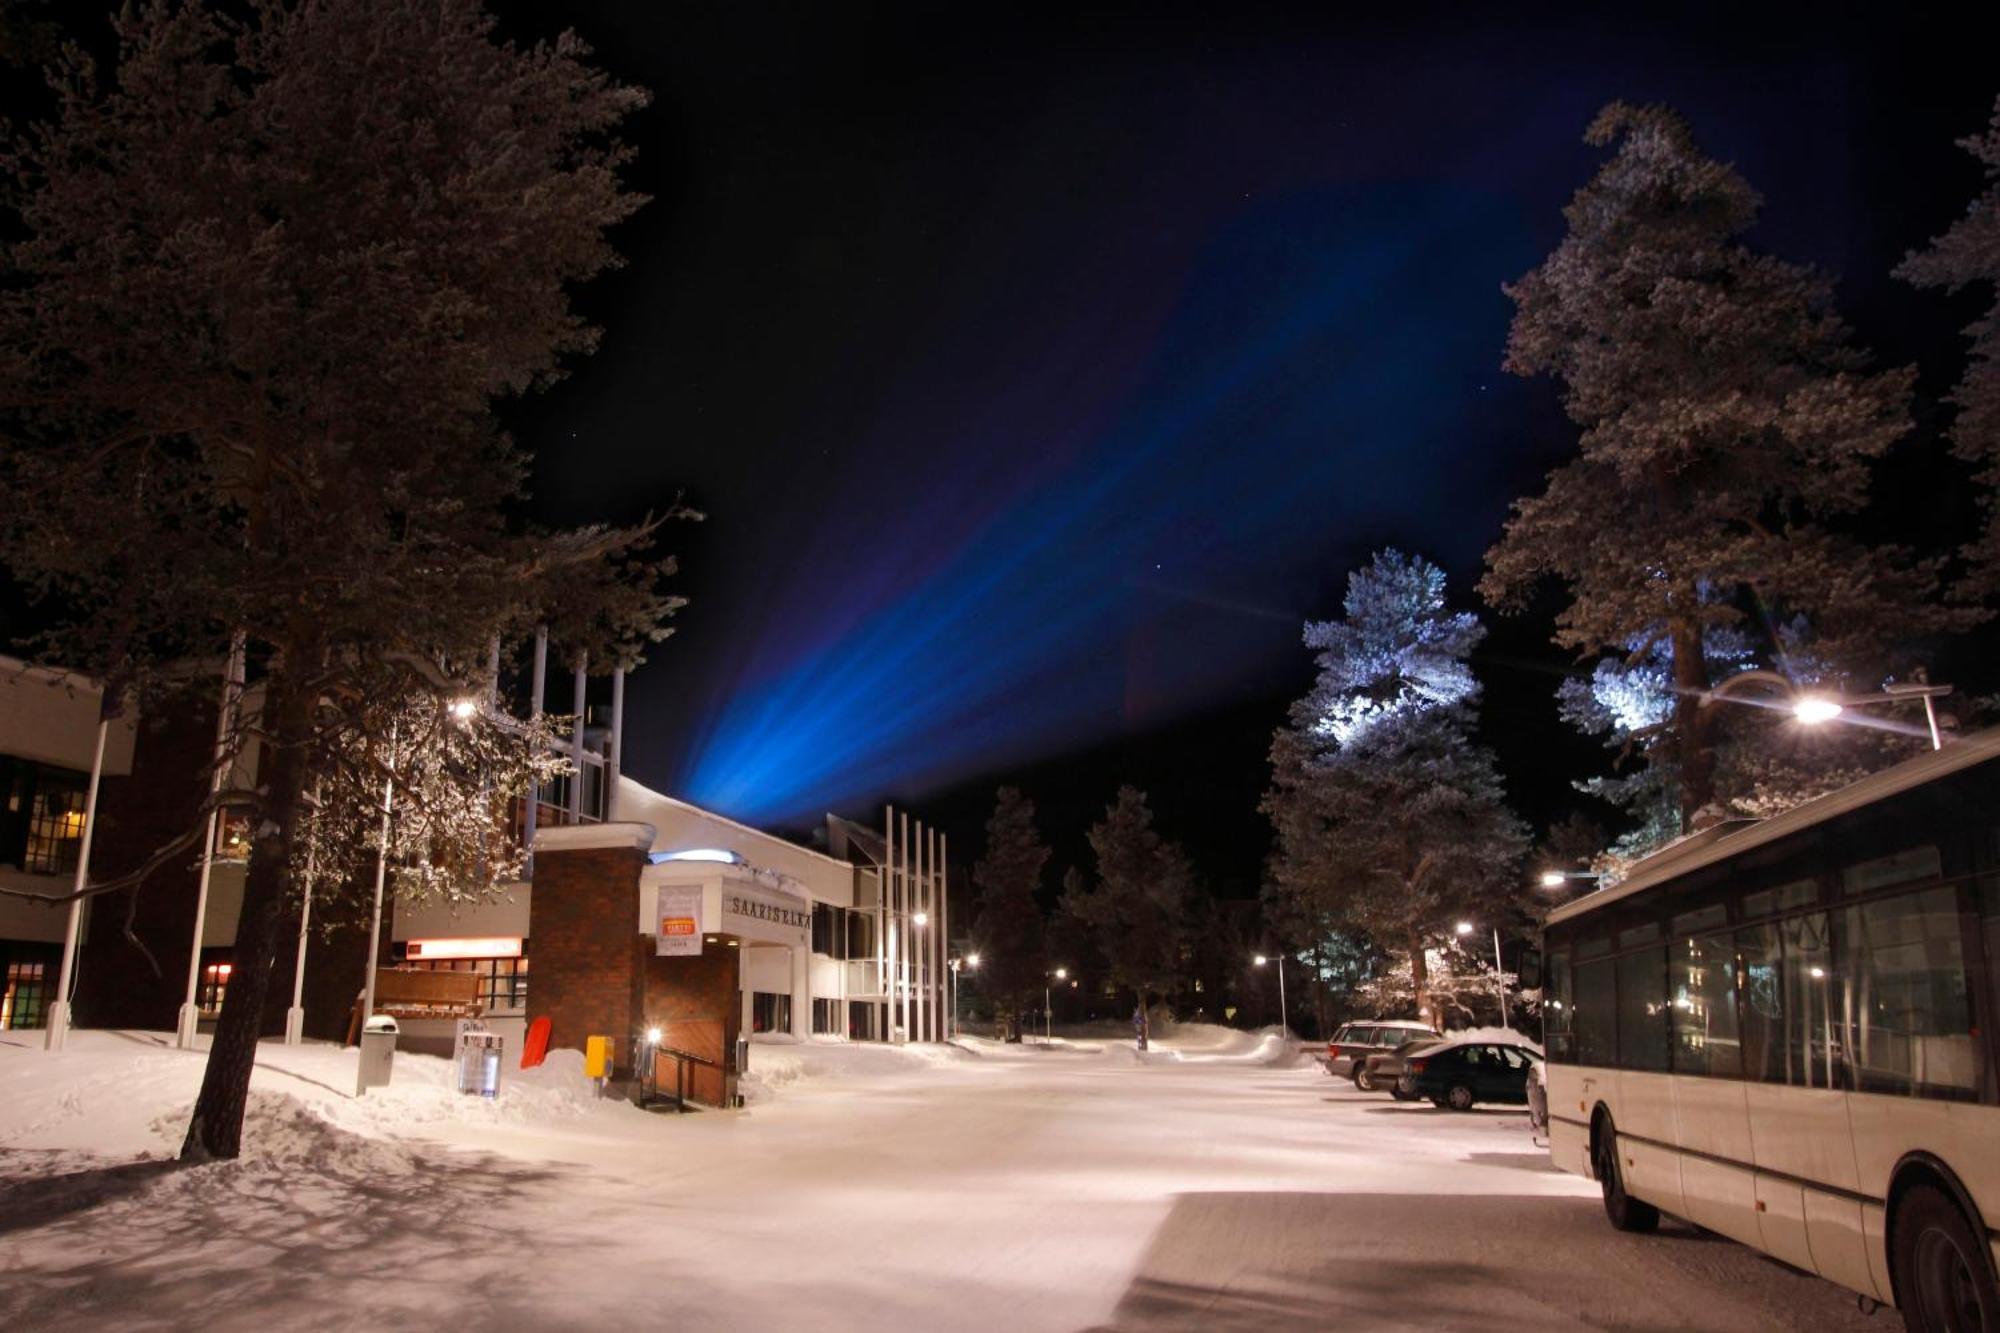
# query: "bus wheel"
1943,1282
1626,1213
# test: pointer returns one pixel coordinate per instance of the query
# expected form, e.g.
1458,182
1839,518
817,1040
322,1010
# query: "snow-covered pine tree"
1968,255
265,278
1725,418
1137,905
1008,929
1390,818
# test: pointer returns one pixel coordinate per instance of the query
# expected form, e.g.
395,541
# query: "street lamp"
1284,1018
1061,974
1499,967
970,960
1812,709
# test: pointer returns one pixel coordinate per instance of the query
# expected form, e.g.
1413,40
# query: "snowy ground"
1220,1182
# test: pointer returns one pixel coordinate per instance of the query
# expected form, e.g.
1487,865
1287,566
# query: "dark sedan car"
1385,1070
1464,1074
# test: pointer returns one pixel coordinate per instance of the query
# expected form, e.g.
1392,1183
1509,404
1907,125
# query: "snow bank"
776,1065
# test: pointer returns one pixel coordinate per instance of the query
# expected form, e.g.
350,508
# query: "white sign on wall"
679,935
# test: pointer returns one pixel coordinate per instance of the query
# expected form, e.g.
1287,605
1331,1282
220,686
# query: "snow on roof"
1708,847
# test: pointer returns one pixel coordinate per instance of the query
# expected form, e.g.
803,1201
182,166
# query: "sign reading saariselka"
765,913
680,922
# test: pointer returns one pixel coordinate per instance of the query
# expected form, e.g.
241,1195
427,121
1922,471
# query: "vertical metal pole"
576,742
920,937
615,755
1284,1015
381,875
295,1017
1930,716
1500,976
58,1019
942,920
903,912
539,675
225,716
885,945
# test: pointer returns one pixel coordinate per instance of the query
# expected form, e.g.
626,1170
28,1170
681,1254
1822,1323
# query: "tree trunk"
1420,979
1694,722
216,1131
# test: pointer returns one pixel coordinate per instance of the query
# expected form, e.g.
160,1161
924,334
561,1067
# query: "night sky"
1040,370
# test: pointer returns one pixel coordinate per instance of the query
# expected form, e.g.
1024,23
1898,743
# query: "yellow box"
597,1057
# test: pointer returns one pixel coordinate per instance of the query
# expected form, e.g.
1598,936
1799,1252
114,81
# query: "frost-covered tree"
1968,255
264,279
1136,906
1726,419
1390,819
1013,958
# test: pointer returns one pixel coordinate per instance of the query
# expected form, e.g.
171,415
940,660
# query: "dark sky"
1041,369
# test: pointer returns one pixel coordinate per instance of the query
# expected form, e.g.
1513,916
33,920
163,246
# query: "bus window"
1642,1010
1810,1048
1757,958
1784,898
1901,868
1596,1018
1556,1038
1702,988
1905,996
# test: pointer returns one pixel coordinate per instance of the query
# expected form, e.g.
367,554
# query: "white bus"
1785,1032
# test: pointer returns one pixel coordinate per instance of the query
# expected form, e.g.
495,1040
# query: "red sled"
536,1048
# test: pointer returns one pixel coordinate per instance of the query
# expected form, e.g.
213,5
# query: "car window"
1346,1033
1514,1058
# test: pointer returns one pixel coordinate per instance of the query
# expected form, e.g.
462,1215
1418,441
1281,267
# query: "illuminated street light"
1284,1017
1812,710
1553,879
920,918
1062,973
652,1036
1778,691
970,960
464,708
1499,967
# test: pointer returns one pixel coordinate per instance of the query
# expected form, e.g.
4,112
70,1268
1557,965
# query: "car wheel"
1459,1097
1626,1213
1363,1080
1943,1280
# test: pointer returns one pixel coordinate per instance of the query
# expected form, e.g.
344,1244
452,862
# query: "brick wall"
695,1003
587,953
118,984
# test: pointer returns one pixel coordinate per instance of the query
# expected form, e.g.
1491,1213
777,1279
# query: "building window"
55,823
827,1018
829,930
770,1012
24,1002
214,986
503,982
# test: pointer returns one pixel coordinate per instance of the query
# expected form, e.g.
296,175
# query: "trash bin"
378,1053
479,1061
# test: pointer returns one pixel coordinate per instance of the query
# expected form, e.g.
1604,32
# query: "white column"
225,718
615,755
58,1017
941,924
887,957
295,1017
903,976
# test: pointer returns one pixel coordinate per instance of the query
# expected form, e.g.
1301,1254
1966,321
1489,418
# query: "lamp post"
1284,1018
1061,973
1499,967
970,960
1812,709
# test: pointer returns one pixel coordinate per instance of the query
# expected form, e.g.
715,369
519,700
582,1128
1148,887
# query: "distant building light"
719,855
491,946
